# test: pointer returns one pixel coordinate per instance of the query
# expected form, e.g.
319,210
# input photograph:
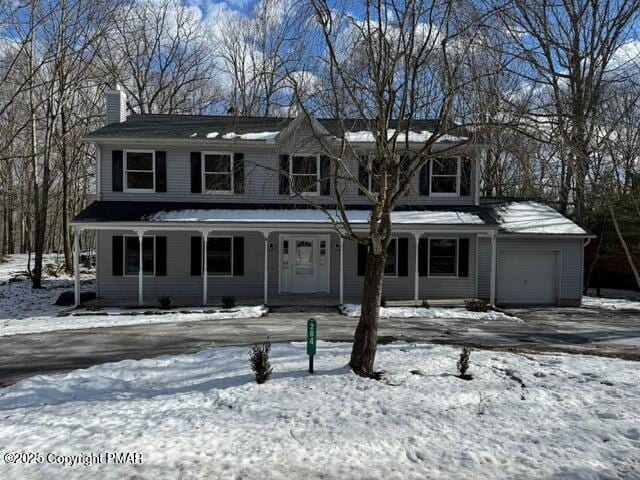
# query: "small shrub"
425,304
165,302
463,363
476,305
228,302
259,358
53,270
383,301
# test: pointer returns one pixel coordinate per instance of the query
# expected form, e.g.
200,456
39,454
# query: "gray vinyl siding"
570,271
261,163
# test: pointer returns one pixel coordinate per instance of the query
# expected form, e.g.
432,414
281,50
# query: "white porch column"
76,266
416,277
140,269
205,237
341,270
266,266
492,284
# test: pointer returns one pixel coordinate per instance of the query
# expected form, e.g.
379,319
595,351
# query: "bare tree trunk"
624,246
363,354
596,258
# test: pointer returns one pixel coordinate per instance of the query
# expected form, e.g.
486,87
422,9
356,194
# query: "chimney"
115,105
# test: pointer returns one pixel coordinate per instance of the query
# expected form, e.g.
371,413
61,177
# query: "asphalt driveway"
593,331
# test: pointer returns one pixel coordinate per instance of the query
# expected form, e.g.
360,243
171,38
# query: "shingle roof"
198,126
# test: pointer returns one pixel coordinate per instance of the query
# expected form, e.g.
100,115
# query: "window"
305,174
391,268
220,256
443,253
373,176
217,172
132,256
139,174
444,175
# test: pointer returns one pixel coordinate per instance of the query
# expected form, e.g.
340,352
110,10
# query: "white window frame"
217,275
395,274
456,266
124,256
458,176
125,171
291,174
204,173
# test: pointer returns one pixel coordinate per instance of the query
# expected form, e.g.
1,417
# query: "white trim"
98,175
291,174
125,170
341,270
204,173
76,266
457,258
475,280
232,274
124,256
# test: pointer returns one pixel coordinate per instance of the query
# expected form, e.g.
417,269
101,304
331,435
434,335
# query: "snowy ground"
430,313
610,303
202,416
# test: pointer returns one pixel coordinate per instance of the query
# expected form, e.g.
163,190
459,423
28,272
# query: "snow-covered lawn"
610,303
24,310
202,416
431,313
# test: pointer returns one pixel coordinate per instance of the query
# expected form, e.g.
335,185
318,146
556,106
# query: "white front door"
305,265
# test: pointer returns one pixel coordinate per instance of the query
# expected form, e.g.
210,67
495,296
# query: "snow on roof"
251,135
535,217
311,216
366,136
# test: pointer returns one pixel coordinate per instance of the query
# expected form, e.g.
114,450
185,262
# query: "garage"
527,277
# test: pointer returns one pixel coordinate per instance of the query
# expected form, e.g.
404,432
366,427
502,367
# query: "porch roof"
207,213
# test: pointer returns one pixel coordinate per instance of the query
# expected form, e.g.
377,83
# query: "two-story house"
197,207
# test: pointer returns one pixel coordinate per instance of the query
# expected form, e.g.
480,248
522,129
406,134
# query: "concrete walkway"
566,329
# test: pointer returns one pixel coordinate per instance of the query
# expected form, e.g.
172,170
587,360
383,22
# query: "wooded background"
555,95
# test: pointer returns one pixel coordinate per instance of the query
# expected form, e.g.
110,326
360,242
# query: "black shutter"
116,170
425,178
463,257
117,255
465,177
423,257
363,177
196,256
161,256
238,256
403,257
196,172
161,171
284,175
325,175
404,167
362,259
238,173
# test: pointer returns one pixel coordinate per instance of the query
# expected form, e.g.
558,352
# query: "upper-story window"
305,174
217,172
445,176
139,172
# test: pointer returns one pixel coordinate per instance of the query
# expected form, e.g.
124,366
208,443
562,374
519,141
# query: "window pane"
390,267
132,258
140,180
218,181
219,256
445,166
443,184
304,165
305,183
442,257
217,163
139,161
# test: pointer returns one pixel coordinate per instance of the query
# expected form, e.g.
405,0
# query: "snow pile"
534,217
251,136
441,217
203,416
431,313
610,303
112,318
212,134
366,136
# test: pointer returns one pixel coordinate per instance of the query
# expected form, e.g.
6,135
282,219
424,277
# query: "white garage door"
527,277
